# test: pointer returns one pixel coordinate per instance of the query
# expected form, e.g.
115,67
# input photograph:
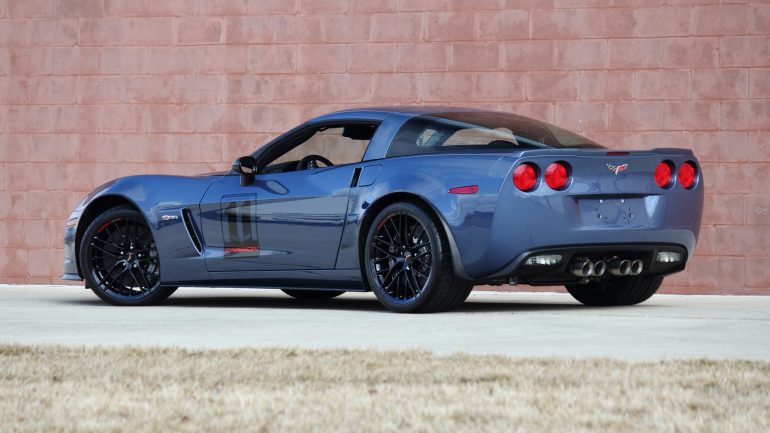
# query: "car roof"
382,112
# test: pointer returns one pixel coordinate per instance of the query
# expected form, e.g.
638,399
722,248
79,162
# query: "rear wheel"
313,295
615,291
119,259
407,262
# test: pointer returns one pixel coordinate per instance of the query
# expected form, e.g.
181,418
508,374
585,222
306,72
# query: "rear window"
480,131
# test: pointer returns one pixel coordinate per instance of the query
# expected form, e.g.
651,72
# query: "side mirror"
247,167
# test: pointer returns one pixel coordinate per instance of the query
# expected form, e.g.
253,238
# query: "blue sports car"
417,204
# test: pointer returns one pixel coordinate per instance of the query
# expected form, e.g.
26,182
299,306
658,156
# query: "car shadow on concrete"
261,301
355,304
277,302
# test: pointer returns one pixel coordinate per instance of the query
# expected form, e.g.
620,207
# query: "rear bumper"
560,273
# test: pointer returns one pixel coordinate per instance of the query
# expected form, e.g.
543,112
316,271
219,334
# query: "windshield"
481,131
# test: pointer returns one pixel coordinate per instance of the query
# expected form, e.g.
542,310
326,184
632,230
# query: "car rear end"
566,216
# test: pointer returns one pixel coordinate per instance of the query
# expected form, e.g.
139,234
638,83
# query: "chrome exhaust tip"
582,268
636,267
600,267
620,268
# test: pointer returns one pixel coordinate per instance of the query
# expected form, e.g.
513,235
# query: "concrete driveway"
503,323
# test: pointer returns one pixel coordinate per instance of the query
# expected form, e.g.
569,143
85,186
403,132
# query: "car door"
286,219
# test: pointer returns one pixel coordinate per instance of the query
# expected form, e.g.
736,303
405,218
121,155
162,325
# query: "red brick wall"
95,89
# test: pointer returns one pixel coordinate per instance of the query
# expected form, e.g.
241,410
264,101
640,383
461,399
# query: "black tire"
118,252
464,296
313,295
615,291
407,262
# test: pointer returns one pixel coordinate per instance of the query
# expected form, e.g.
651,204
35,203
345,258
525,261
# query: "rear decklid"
608,189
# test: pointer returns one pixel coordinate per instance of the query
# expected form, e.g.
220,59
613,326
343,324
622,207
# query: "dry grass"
52,389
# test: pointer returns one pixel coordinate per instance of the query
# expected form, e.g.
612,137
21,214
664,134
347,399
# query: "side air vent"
356,175
188,223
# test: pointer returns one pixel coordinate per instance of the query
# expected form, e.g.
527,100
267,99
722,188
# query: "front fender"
153,196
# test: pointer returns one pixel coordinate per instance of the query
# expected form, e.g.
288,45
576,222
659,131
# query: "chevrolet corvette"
417,204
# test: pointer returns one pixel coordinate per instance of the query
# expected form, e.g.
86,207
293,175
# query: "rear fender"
428,182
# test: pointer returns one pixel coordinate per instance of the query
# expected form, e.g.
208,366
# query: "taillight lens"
663,174
525,177
687,173
556,175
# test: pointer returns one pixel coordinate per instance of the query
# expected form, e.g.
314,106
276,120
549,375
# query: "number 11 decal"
239,227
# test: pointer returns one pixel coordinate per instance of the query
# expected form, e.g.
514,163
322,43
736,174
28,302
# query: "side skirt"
338,279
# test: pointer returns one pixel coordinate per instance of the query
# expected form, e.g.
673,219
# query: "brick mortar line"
358,102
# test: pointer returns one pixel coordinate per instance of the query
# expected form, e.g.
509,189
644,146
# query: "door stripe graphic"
239,228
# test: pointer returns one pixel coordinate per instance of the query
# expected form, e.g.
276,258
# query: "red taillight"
663,174
556,175
525,177
687,174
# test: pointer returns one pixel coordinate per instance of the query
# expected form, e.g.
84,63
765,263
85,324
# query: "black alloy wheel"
119,259
407,262
401,257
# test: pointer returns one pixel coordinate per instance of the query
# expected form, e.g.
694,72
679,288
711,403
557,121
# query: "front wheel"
615,291
119,259
407,263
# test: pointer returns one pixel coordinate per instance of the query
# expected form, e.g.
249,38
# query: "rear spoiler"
603,152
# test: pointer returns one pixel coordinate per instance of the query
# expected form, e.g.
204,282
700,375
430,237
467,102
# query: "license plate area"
613,211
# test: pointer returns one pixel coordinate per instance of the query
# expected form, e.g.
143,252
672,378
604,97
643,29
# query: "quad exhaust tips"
622,268
582,268
585,268
600,267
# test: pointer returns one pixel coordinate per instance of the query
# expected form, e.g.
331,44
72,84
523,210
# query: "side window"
430,137
422,135
479,137
343,144
424,139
